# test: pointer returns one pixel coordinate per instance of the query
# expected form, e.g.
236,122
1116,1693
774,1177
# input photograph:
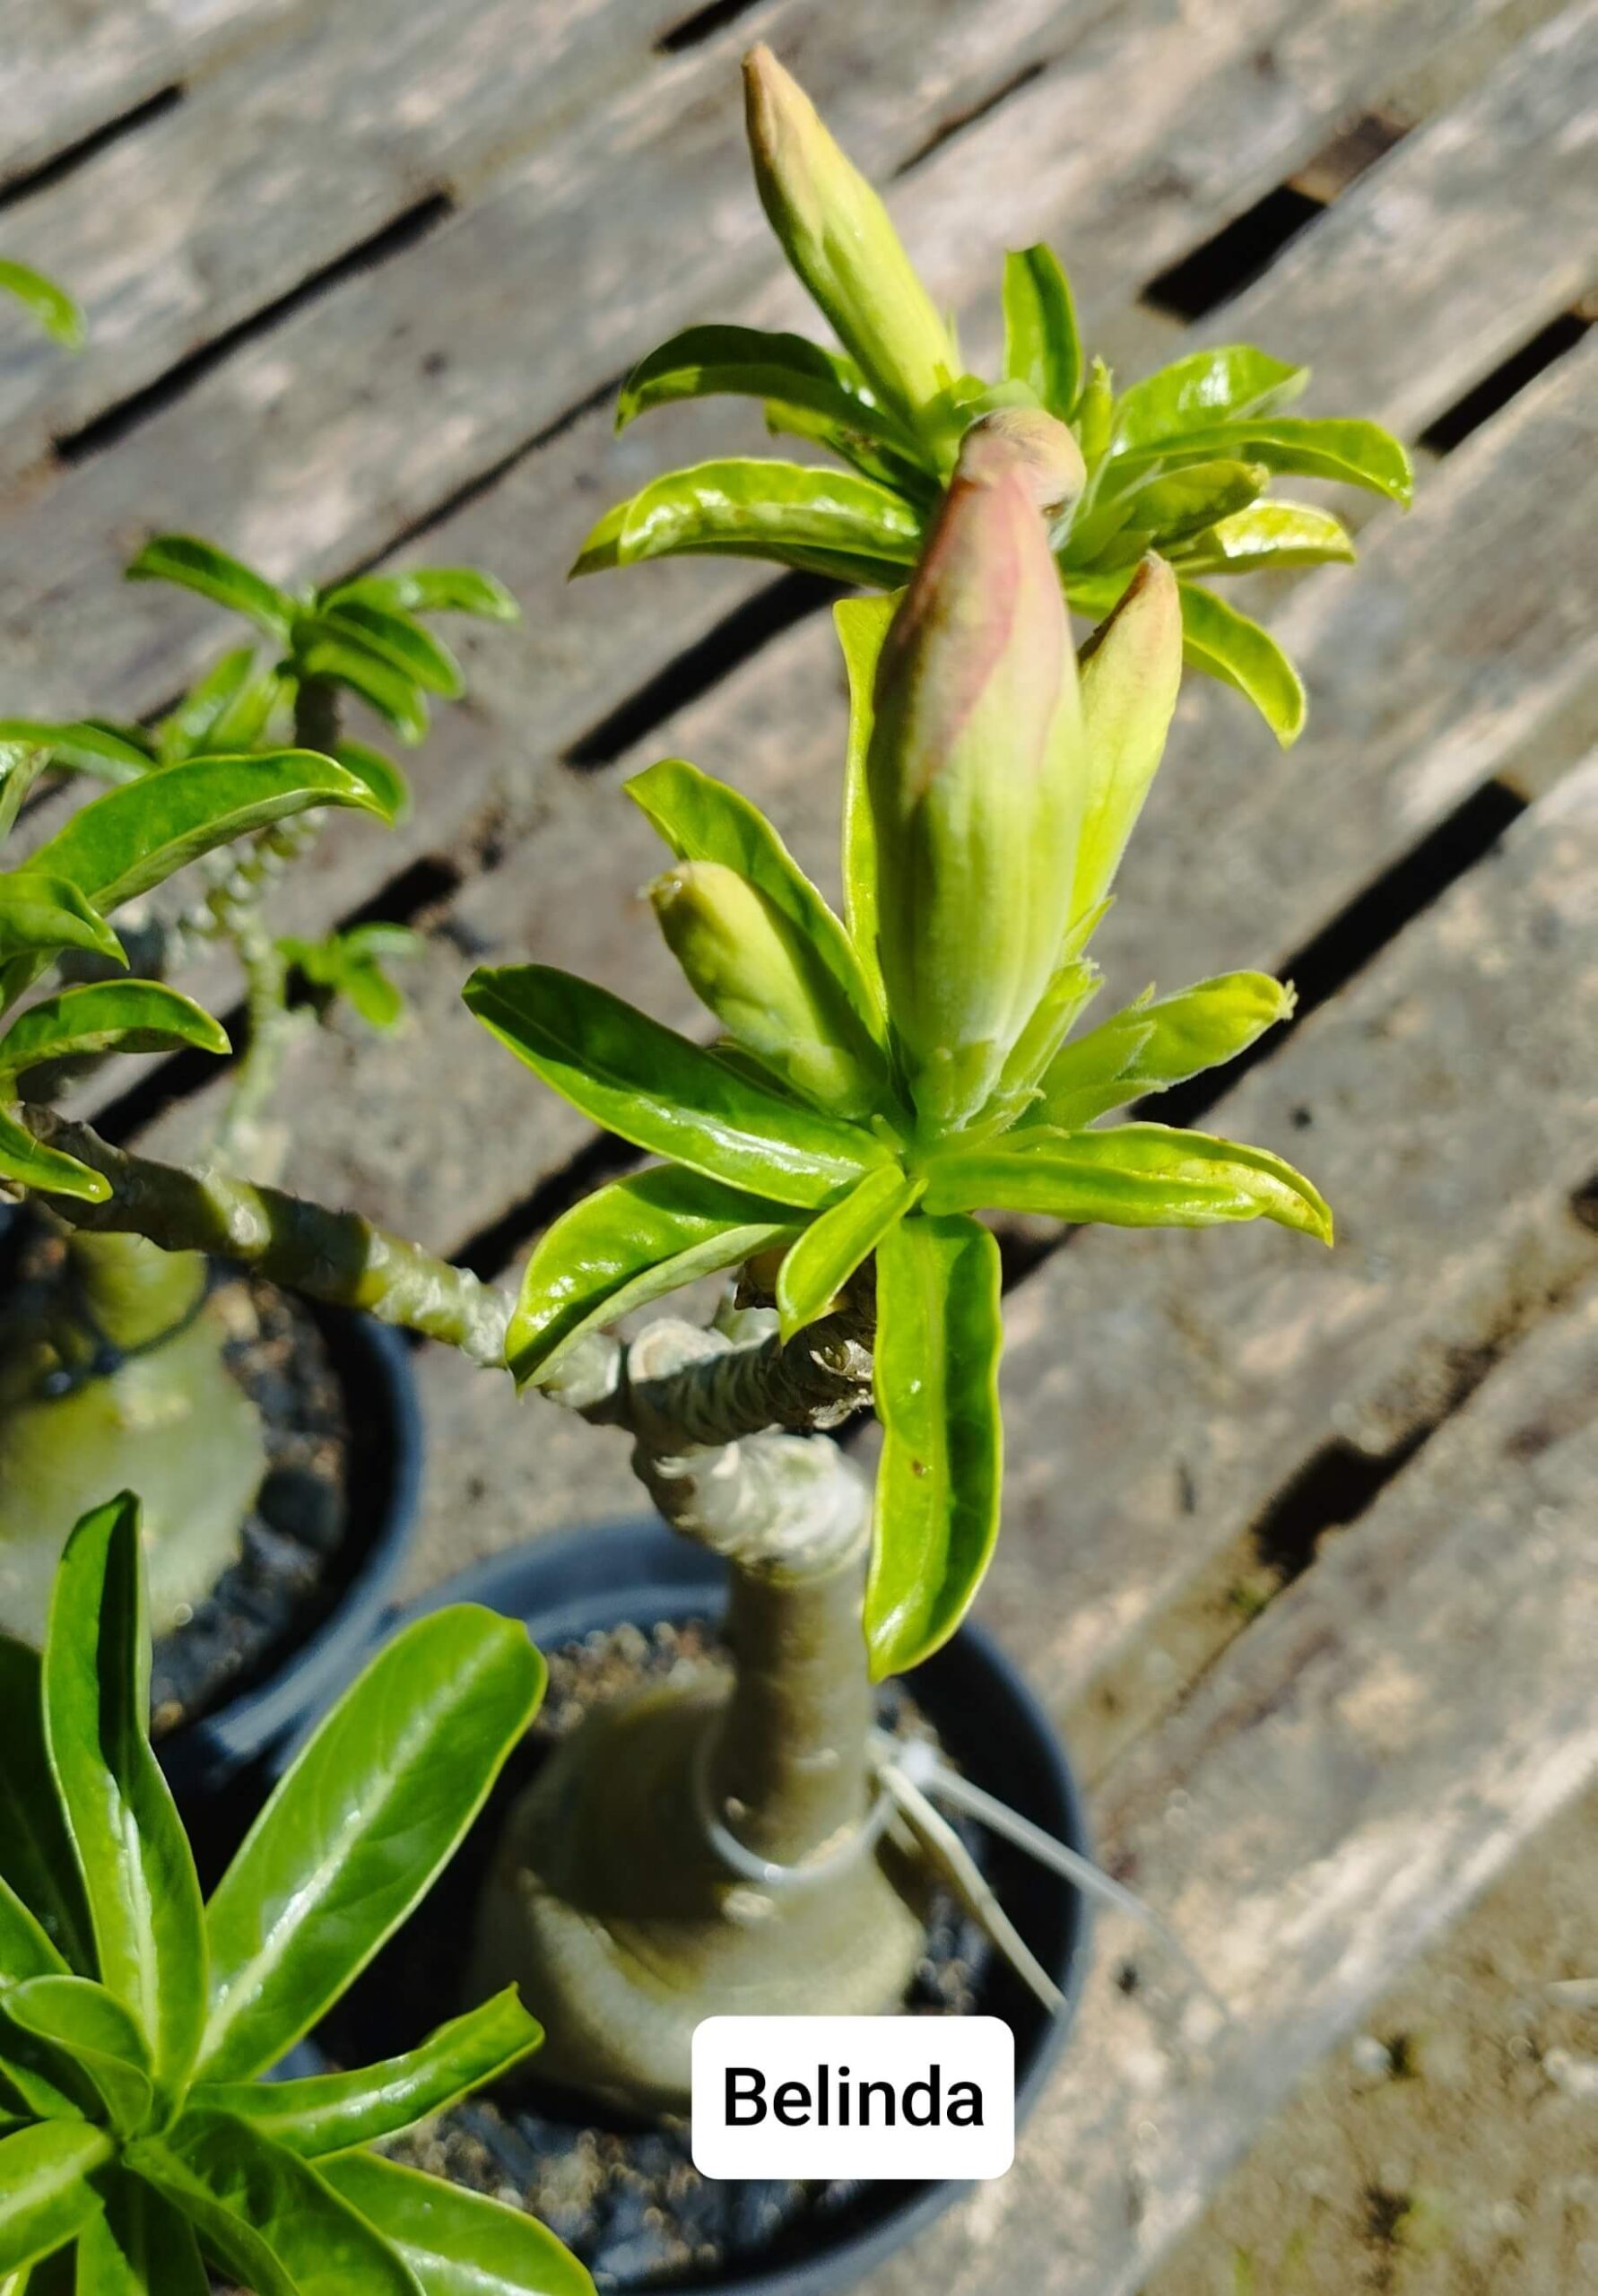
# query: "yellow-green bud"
766,985
974,780
1131,670
835,231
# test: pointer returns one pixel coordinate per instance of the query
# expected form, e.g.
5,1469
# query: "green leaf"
225,711
29,1163
331,2112
396,698
703,819
379,775
1042,346
1129,1176
41,914
1168,509
267,2214
625,1246
132,839
349,965
1267,534
1313,446
92,2026
1205,388
81,746
822,1262
140,2246
937,1500
134,1856
396,640
198,565
430,589
21,764
51,306
915,482
861,624
1152,1046
749,362
46,2197
36,1852
665,1093
1226,645
107,1017
796,513
455,2243
26,1950
371,1807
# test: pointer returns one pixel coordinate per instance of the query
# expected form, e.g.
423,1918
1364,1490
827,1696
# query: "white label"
858,2097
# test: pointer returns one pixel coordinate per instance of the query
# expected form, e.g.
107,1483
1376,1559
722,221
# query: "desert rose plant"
99,1365
877,1080
1182,462
136,2143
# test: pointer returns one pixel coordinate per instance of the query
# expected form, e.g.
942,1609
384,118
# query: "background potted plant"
884,1076
277,1459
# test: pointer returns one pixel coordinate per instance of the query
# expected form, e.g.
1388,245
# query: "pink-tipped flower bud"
835,231
974,780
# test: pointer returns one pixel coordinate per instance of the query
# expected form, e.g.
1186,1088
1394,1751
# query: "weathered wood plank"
361,414
1364,1762
280,164
67,67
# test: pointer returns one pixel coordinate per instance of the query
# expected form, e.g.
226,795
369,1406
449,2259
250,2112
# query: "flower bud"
748,965
835,231
974,781
1130,669
1041,450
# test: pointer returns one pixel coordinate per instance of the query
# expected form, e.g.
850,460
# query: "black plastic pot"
582,1582
373,1366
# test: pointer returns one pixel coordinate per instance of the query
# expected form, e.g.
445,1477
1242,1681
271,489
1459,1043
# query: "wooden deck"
1302,1549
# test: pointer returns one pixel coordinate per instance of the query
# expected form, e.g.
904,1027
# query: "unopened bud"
1041,451
974,778
1131,668
748,965
836,232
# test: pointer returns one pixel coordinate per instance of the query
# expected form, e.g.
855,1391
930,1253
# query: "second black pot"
589,1582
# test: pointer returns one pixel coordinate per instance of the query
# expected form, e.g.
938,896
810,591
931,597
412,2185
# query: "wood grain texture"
1369,1756
67,67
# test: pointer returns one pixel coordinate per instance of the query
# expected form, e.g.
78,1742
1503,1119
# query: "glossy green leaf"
1129,1176
21,764
822,1261
228,710
704,362
1075,983
139,2246
937,1497
396,639
1268,534
455,2243
349,965
26,1950
36,1853
198,565
330,2112
861,624
133,1853
1170,509
796,513
914,481
1153,1045
267,2214
51,306
703,819
664,1093
41,914
30,1163
430,589
627,1245
370,1808
1042,346
1206,387
380,776
81,746
107,1017
395,697
1313,446
92,2026
132,839
46,2197
1226,645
